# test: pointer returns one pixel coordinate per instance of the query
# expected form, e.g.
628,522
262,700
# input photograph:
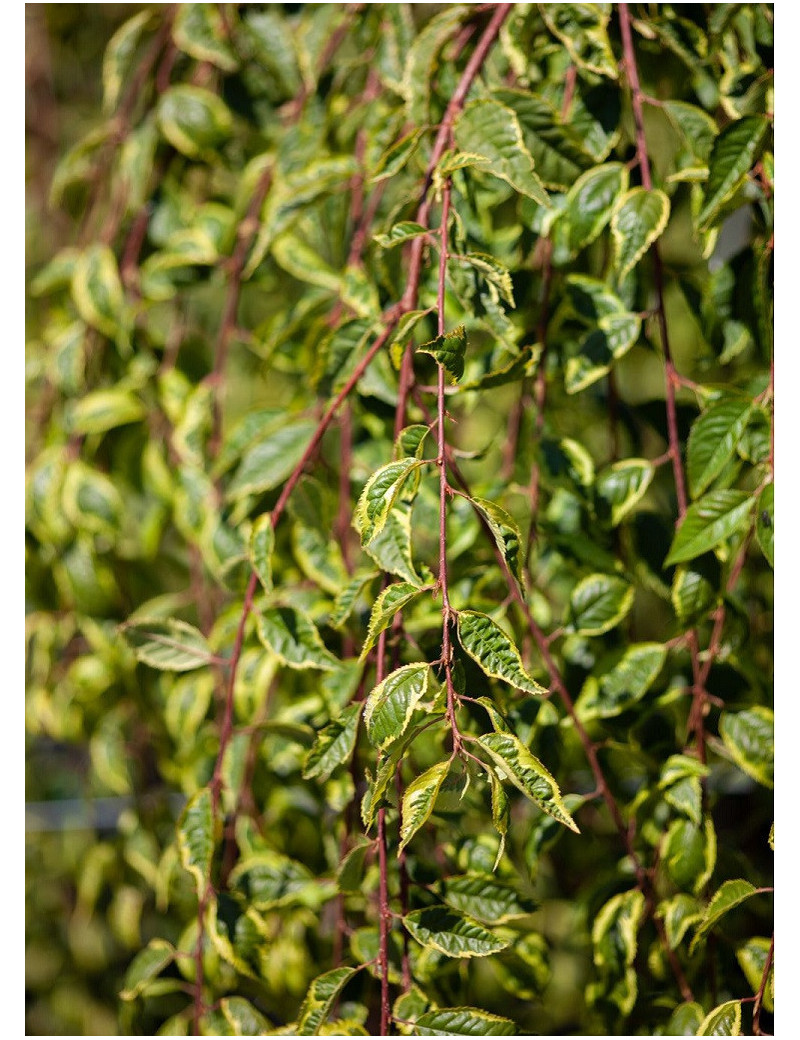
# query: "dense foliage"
400,526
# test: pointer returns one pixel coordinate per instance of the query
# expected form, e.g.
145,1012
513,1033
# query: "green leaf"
678,914
622,485
463,1021
448,351
118,58
294,639
614,931
400,233
581,28
749,736
320,998
391,547
614,939
167,644
402,335
274,46
350,875
752,957
411,441
713,440
528,774
557,155
262,543
590,203
97,291
423,58
485,898
725,1020
452,933
268,880
728,895
243,1018
196,837
267,463
489,646
688,854
348,597
91,501
707,522
334,744
419,799
621,686
395,158
697,127
735,151
506,535
598,603
376,790
639,219
613,337
765,523
393,598
199,31
145,966
193,120
694,588
391,704
490,129
379,495
493,272
501,813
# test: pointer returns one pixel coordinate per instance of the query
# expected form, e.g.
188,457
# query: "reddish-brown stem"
447,650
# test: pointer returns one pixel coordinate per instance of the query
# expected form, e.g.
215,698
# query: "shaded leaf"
485,898
749,736
765,522
528,774
145,966
379,495
269,461
193,120
734,153
294,638
598,603
639,219
320,998
622,485
391,704
167,643
393,598
725,1020
506,535
419,799
196,836
488,128
463,1021
334,744
262,543
448,351
452,933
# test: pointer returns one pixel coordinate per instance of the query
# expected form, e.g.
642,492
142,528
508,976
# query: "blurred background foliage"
97,879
